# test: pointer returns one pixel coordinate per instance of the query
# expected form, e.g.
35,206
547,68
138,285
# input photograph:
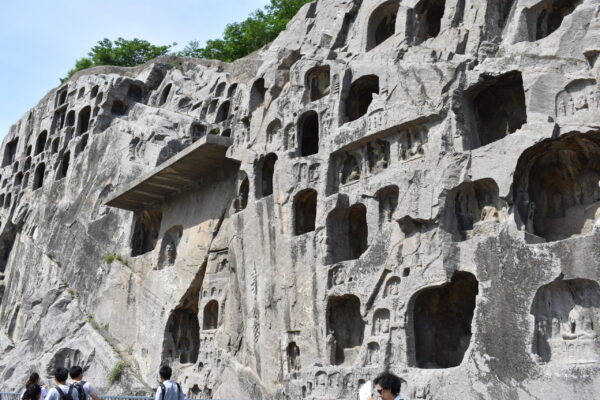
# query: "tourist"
168,390
387,385
34,379
84,389
32,392
61,391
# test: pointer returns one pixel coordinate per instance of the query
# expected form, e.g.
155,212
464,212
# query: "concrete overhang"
201,162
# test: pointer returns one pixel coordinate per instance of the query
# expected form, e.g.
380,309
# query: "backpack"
62,395
80,391
163,390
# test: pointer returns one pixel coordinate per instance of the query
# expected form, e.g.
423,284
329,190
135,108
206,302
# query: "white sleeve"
90,389
157,397
50,394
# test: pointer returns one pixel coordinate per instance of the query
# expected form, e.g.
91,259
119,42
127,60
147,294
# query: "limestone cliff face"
412,185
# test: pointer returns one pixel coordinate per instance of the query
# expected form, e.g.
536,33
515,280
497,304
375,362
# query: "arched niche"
382,23
556,186
360,96
308,133
210,319
347,233
318,81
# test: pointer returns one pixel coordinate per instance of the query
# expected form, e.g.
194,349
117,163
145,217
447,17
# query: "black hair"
388,381
61,374
32,392
165,372
33,378
75,372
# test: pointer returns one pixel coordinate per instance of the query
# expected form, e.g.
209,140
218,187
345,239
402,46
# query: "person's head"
387,386
61,374
34,377
76,373
32,392
165,373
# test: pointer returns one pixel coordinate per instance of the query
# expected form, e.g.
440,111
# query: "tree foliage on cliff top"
121,52
242,38
239,39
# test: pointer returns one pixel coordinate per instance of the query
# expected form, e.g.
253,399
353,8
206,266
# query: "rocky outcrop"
408,185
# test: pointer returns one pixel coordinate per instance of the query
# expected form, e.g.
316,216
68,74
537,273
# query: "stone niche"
557,193
308,133
210,316
345,327
347,233
361,160
145,231
318,81
305,211
360,96
264,175
495,108
441,319
473,203
241,200
547,16
580,100
382,23
567,317
427,19
68,357
182,336
387,198
168,249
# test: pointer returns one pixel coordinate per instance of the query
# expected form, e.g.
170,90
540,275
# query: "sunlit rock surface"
412,185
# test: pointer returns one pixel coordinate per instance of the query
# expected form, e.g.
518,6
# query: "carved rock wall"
417,189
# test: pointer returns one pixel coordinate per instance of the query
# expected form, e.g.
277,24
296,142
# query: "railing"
9,396
16,396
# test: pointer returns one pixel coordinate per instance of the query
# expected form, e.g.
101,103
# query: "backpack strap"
69,395
80,386
60,392
178,390
162,391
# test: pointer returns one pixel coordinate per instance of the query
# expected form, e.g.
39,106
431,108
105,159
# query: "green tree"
242,38
121,52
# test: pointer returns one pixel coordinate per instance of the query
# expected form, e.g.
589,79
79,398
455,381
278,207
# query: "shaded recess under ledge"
201,162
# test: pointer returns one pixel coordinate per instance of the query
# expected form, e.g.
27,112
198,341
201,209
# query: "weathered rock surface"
412,185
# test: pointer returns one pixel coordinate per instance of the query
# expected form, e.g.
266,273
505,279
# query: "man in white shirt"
62,391
387,385
84,389
168,390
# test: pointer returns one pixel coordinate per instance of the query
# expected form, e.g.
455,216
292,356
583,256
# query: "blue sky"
41,39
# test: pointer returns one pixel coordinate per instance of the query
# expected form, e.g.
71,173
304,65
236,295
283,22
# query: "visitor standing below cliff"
62,391
168,390
387,385
85,390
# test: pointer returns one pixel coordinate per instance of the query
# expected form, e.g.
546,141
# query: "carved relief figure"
567,316
350,169
579,96
373,354
381,322
378,156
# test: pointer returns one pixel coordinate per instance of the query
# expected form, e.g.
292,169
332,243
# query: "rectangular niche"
441,322
145,231
567,314
356,162
495,108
